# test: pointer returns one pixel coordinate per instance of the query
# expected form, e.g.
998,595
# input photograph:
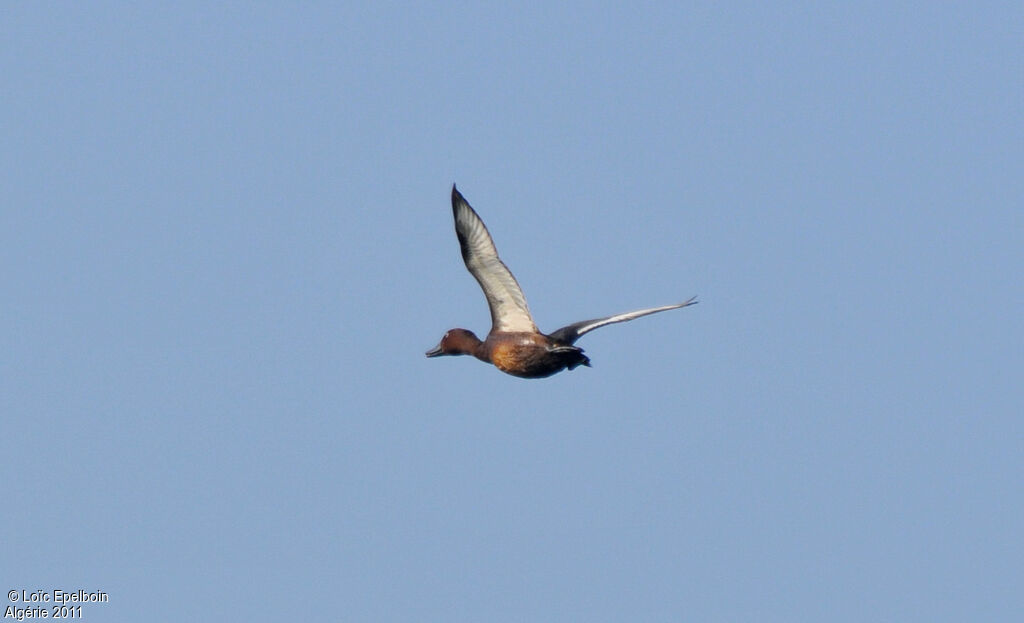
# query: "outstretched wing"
504,296
571,333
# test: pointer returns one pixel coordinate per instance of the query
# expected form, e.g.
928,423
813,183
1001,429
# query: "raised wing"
504,296
573,332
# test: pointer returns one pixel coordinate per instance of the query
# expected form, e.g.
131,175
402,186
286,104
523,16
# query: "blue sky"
227,242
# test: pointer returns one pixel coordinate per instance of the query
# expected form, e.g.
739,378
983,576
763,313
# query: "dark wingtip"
458,200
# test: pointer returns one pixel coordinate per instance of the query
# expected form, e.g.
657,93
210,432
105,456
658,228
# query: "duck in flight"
515,345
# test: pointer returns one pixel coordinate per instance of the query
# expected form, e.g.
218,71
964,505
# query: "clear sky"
227,242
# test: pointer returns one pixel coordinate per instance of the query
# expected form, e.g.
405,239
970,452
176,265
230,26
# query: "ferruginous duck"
515,345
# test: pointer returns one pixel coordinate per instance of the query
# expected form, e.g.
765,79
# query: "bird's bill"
435,351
